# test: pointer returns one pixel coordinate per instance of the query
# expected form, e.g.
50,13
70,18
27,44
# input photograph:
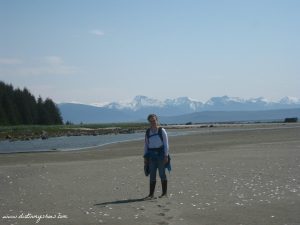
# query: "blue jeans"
157,164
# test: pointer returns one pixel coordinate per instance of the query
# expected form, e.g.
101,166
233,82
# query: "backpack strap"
148,133
159,133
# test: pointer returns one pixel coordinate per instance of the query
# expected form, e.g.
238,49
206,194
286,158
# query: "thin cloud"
45,70
10,61
45,66
97,32
53,60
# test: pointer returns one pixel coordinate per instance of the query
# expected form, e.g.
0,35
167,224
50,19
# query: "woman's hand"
166,159
145,161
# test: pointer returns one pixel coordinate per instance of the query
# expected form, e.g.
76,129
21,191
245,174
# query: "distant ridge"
182,110
233,116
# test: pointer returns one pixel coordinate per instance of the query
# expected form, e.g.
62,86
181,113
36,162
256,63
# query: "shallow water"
70,143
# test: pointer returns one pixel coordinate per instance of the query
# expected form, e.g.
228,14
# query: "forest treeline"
20,107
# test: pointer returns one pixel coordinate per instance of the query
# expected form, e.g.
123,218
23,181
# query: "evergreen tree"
42,113
3,117
20,107
9,106
29,108
53,112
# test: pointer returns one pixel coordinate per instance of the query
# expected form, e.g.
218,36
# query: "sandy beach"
247,175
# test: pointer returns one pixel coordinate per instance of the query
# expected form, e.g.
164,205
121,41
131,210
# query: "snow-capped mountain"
224,103
141,103
289,100
137,103
141,106
184,101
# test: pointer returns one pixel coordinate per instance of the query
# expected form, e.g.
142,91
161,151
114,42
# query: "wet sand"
239,176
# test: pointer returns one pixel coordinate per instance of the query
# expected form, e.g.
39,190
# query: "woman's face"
153,122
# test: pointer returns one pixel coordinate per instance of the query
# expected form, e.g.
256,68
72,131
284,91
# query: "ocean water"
70,143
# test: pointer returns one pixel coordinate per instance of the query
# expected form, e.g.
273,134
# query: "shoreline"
114,150
42,134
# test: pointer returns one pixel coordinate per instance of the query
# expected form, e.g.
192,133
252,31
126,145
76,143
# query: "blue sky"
112,50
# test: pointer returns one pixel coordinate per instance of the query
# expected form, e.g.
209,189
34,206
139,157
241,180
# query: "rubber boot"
164,186
152,188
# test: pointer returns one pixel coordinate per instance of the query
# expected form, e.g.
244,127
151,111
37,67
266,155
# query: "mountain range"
182,110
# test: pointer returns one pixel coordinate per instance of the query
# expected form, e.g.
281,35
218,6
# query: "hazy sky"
112,50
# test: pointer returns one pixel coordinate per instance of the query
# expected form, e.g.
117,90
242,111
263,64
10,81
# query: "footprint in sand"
163,223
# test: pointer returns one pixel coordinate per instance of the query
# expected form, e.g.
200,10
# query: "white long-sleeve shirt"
155,141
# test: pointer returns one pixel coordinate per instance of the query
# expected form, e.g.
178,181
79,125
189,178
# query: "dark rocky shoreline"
29,135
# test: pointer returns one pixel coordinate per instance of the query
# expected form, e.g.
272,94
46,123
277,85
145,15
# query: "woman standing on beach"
156,152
